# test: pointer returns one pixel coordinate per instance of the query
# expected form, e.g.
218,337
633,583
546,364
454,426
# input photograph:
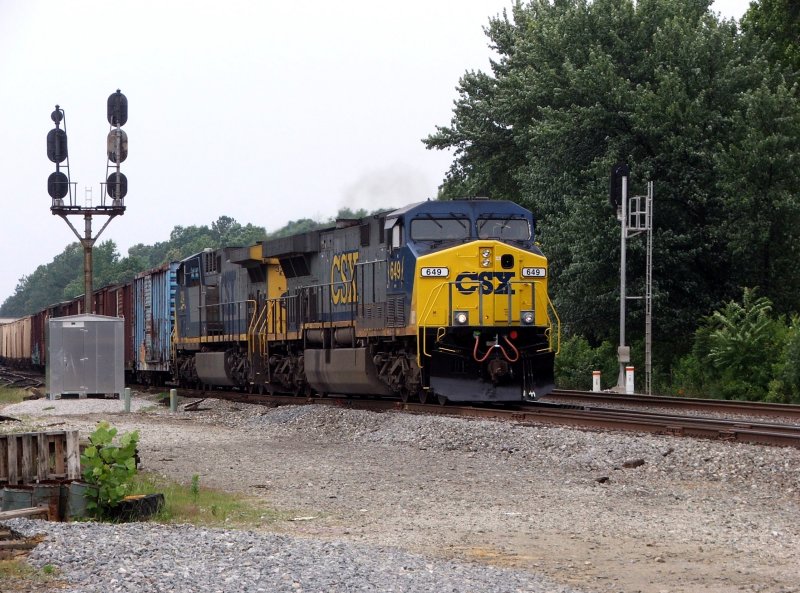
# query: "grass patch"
11,395
14,395
195,504
19,571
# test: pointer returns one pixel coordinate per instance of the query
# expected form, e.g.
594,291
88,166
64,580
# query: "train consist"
444,299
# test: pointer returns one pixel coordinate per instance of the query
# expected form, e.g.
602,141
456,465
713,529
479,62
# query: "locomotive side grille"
373,311
395,312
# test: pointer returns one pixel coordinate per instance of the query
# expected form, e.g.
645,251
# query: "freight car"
446,299
147,306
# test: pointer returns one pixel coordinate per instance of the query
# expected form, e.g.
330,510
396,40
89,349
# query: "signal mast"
59,185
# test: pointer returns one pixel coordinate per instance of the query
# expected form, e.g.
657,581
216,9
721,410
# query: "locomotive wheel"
423,396
442,400
404,395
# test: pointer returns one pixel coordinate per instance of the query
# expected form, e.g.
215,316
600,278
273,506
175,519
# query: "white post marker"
127,399
596,381
173,400
629,380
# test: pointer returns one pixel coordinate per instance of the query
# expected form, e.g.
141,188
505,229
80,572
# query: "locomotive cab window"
439,229
516,229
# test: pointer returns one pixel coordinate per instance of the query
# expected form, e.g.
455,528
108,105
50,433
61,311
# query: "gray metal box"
85,356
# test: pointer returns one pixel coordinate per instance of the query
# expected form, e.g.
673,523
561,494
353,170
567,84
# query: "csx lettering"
489,282
396,270
343,278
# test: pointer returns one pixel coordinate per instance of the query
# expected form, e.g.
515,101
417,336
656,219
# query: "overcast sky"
263,111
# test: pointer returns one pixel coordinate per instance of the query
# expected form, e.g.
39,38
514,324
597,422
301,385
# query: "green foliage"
62,279
785,387
776,23
195,487
688,101
577,360
735,352
11,395
740,336
108,466
205,506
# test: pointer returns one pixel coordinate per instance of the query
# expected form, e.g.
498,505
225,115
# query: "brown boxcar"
16,342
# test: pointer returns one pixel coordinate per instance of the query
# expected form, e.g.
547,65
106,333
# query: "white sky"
263,111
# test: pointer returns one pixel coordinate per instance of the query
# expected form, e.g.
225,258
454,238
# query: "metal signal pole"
619,200
636,216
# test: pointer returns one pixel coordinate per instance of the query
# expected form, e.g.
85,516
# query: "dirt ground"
608,529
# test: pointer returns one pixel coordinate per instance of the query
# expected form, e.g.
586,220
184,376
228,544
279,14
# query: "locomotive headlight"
527,317
486,257
460,318
486,263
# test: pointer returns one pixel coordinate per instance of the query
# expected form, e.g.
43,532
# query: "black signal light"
117,185
117,109
618,171
57,185
57,145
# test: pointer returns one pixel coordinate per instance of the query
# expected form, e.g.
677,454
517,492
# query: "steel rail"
734,430
686,403
783,435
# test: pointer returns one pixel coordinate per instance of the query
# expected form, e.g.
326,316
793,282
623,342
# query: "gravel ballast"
106,558
465,499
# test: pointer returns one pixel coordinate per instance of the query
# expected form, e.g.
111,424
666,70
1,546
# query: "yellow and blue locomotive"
440,298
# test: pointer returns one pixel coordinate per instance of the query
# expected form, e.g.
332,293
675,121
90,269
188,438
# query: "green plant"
11,395
195,487
577,360
785,386
211,507
109,467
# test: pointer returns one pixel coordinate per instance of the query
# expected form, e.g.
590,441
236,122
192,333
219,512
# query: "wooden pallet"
40,511
30,457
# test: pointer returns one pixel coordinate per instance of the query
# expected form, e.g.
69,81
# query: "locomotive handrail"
426,312
558,326
222,310
535,296
435,293
324,315
253,329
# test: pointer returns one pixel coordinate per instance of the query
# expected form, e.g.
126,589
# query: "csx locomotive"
444,299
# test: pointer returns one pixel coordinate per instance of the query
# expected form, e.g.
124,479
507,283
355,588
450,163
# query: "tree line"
62,279
707,108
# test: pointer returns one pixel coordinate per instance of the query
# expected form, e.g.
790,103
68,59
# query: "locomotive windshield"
516,229
439,229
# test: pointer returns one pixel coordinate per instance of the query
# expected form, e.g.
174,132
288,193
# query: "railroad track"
15,378
585,411
744,408
727,429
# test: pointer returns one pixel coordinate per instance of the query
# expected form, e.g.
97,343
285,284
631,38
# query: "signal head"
117,109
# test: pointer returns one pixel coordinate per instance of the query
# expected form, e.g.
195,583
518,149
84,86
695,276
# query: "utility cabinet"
85,356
